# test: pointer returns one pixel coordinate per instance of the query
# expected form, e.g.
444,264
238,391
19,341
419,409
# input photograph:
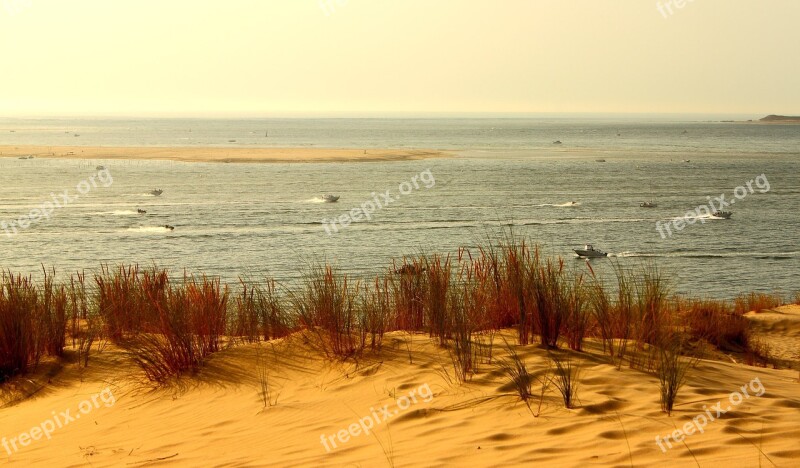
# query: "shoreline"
222,155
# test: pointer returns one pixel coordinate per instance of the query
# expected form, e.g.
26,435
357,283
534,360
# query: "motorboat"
590,252
156,192
557,142
648,204
171,228
330,198
141,211
722,214
600,160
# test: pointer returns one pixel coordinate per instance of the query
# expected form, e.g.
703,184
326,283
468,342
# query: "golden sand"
217,418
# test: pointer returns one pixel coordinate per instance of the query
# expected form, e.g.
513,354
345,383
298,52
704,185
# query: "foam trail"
149,229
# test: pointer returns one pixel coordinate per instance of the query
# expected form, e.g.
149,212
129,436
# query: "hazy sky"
278,57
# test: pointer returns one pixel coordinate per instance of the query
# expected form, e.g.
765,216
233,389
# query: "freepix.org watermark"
699,422
378,202
665,6
329,6
15,7
376,418
715,209
61,200
46,429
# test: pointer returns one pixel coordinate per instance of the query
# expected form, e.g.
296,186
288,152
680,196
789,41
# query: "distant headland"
781,119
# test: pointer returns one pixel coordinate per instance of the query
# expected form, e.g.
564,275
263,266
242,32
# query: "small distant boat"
648,204
171,228
557,142
687,160
590,252
330,198
722,214
156,192
77,134
231,141
600,160
141,211
100,168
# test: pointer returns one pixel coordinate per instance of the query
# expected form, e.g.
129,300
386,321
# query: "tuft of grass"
408,285
375,314
672,371
20,348
756,302
327,307
516,370
437,277
565,378
715,322
189,324
265,391
463,349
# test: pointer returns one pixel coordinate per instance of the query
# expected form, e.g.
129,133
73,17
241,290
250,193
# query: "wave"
570,204
115,213
759,255
149,229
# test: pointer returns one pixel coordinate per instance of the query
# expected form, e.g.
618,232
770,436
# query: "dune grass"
461,301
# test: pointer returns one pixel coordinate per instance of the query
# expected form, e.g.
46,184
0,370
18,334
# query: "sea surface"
257,220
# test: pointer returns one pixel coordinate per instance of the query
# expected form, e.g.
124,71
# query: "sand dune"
780,330
222,154
218,418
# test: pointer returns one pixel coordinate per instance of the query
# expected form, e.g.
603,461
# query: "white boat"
156,192
330,198
722,214
590,252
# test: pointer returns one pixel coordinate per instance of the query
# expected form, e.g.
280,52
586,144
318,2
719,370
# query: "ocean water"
257,220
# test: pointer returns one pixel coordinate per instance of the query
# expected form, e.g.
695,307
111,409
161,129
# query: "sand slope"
217,419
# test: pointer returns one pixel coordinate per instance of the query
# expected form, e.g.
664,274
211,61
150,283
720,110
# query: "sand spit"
222,154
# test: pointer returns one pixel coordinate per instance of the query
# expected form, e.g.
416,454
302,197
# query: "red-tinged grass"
756,302
408,285
189,322
376,310
127,297
33,323
577,319
52,314
551,299
715,321
437,276
260,313
327,307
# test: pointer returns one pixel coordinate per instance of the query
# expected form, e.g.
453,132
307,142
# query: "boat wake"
315,200
562,205
115,213
760,255
149,229
702,218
